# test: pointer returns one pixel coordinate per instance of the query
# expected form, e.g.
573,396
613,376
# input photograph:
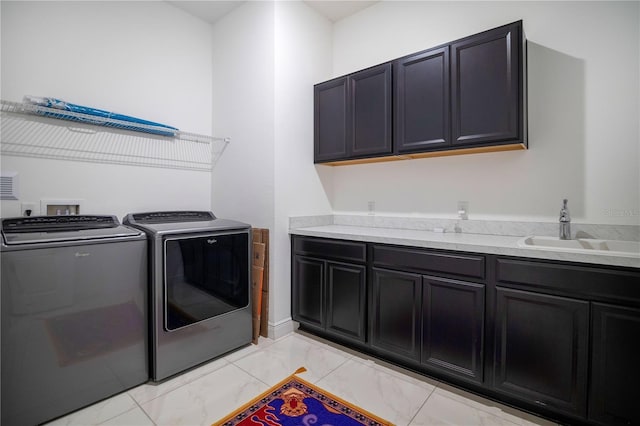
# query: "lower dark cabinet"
346,300
615,377
453,327
556,338
330,295
395,313
436,321
541,349
307,294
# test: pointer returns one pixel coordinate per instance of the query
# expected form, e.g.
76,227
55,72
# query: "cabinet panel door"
486,83
541,349
371,111
395,312
307,291
422,101
615,392
330,120
346,300
453,326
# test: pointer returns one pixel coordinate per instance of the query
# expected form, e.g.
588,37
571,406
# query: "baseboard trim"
280,328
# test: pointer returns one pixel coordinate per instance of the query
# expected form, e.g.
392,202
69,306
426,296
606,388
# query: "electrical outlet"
372,207
463,209
28,209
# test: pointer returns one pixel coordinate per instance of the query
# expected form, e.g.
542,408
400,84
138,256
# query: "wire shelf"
35,131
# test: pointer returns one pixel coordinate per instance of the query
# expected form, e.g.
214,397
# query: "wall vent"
9,186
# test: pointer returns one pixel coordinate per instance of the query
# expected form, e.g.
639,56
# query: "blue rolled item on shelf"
123,121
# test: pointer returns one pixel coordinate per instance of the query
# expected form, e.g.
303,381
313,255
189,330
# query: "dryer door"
205,276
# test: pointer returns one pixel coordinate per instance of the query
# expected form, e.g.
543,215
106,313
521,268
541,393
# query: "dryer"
199,286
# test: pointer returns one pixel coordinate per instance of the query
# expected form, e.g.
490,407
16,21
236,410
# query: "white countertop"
477,243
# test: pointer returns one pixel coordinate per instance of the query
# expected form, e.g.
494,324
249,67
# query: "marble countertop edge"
475,243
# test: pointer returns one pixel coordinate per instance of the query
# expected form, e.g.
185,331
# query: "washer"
74,314
200,287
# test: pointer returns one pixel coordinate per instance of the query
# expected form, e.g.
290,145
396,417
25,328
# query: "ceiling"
337,10
213,10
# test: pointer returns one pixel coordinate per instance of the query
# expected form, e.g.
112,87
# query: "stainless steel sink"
583,245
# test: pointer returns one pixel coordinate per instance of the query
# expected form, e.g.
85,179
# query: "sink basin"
583,245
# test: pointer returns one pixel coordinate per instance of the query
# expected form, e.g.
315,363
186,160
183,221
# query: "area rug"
296,402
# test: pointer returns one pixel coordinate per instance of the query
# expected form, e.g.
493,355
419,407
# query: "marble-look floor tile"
135,417
383,393
210,392
293,337
440,410
286,355
98,413
206,399
242,352
149,391
512,415
399,372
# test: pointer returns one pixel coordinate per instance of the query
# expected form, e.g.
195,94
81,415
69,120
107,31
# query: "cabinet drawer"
420,260
590,282
330,249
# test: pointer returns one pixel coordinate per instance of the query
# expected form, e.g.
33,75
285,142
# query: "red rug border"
377,420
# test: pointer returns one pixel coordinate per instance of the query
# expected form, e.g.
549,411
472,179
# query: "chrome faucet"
565,222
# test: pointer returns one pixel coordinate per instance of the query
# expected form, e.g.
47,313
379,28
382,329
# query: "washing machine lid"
48,229
173,222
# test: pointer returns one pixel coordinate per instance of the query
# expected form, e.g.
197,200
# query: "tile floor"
208,393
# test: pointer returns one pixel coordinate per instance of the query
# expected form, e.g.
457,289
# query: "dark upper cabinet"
328,292
331,132
370,111
614,391
421,90
352,116
465,96
395,313
487,92
541,349
453,327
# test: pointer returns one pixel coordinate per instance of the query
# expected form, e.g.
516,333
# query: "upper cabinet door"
330,120
422,101
487,87
370,111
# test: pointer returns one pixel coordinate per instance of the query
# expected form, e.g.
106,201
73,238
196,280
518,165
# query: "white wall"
302,57
583,114
266,58
146,59
243,109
